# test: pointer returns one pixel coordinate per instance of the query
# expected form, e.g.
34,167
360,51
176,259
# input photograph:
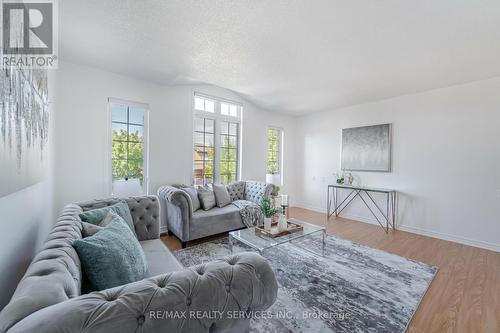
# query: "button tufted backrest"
145,211
54,274
236,190
239,283
255,190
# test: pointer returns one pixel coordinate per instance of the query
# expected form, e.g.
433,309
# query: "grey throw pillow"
193,194
89,229
221,195
207,198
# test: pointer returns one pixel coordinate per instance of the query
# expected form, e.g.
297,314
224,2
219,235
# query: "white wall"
446,160
26,220
81,132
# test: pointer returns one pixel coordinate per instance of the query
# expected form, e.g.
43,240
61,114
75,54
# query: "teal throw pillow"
95,216
89,229
112,257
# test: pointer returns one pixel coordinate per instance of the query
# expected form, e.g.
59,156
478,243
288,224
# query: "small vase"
267,223
282,224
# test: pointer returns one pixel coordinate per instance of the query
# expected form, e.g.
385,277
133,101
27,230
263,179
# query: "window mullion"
278,153
204,162
128,140
217,152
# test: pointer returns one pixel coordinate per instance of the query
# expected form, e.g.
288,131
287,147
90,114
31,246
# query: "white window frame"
281,145
218,118
109,162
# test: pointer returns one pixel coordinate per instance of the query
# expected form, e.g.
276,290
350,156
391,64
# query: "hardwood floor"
465,294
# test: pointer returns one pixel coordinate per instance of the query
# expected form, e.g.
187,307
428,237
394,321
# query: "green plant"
127,154
267,207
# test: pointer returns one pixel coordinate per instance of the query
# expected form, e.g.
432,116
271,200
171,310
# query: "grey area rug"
353,288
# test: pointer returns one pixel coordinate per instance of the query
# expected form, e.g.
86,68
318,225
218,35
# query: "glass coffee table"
261,243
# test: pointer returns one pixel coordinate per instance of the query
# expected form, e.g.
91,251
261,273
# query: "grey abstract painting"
24,126
367,148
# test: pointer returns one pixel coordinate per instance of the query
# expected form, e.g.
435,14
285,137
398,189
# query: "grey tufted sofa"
189,225
49,298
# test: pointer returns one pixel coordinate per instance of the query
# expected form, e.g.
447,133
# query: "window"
204,150
227,109
229,152
204,104
216,140
274,150
128,142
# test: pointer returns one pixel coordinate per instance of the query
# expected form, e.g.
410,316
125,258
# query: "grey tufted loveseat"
189,225
49,297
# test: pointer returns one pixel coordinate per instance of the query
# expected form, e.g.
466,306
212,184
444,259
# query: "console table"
389,217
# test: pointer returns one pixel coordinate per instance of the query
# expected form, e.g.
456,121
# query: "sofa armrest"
168,302
178,210
145,211
269,190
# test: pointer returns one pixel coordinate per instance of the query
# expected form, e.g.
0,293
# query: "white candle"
284,200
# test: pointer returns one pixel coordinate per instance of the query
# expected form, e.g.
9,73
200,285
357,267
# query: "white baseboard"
309,207
414,230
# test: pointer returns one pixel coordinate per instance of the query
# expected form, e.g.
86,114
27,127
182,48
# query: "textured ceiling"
289,56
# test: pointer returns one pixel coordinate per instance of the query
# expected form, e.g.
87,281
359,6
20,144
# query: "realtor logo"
29,36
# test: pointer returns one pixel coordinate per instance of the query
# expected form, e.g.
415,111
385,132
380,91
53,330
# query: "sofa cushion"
236,190
222,197
89,229
160,259
95,216
112,257
207,198
215,221
145,212
193,194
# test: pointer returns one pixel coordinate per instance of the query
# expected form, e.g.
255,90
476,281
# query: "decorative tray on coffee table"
273,233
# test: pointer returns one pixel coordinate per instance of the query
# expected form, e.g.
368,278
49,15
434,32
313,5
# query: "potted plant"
269,211
277,189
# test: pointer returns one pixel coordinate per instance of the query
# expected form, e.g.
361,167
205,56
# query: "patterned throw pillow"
221,195
207,198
